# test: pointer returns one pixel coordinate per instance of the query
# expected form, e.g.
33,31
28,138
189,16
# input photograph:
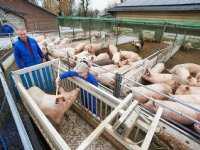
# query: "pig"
57,54
182,72
109,77
112,49
64,42
168,114
197,127
116,57
193,68
106,78
51,105
160,87
185,90
191,98
104,62
198,77
57,41
101,56
83,55
131,56
79,48
159,78
158,68
93,48
187,46
138,44
39,38
97,70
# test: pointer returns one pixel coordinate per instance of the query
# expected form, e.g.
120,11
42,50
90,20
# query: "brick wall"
36,18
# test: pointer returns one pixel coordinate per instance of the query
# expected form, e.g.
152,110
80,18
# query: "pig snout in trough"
51,107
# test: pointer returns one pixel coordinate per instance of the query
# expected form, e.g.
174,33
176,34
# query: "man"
7,29
82,71
26,51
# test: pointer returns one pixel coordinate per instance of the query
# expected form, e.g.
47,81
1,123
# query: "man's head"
22,34
4,22
82,69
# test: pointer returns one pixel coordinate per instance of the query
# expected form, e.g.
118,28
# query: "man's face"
83,74
22,35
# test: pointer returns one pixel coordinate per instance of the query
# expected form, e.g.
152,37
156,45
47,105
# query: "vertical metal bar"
117,88
101,110
136,134
58,24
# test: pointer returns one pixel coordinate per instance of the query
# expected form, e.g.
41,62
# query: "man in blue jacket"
82,71
7,29
26,51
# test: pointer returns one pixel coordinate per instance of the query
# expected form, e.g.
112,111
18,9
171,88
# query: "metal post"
117,89
58,27
117,33
90,20
174,41
73,27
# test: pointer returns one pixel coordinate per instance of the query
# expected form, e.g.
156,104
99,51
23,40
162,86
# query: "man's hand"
57,81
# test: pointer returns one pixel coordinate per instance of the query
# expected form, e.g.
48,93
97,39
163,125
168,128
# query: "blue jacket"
90,78
88,100
7,29
23,56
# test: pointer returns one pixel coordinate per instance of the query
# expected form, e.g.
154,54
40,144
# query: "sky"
101,4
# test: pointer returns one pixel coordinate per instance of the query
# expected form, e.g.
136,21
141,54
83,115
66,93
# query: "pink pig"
50,106
168,114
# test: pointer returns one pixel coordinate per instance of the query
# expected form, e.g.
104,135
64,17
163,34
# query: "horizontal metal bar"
152,99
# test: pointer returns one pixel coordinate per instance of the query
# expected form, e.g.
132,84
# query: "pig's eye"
63,100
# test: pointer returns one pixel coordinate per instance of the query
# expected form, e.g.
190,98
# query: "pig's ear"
61,98
61,90
189,77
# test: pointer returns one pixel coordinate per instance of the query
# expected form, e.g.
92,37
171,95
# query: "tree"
65,7
84,5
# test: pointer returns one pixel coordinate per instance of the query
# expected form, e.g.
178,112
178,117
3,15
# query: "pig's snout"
57,101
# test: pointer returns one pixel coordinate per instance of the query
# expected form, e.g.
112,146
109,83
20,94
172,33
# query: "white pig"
193,68
159,78
160,87
131,56
79,48
97,70
100,57
168,114
158,68
185,90
50,106
191,98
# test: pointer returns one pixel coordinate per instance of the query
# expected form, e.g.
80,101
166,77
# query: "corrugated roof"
157,5
11,9
157,2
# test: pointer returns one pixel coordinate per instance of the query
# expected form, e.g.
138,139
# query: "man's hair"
20,29
4,21
81,67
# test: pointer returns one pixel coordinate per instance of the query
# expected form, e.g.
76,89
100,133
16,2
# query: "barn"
27,14
172,10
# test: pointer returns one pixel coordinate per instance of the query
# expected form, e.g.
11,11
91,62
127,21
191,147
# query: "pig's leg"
57,121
